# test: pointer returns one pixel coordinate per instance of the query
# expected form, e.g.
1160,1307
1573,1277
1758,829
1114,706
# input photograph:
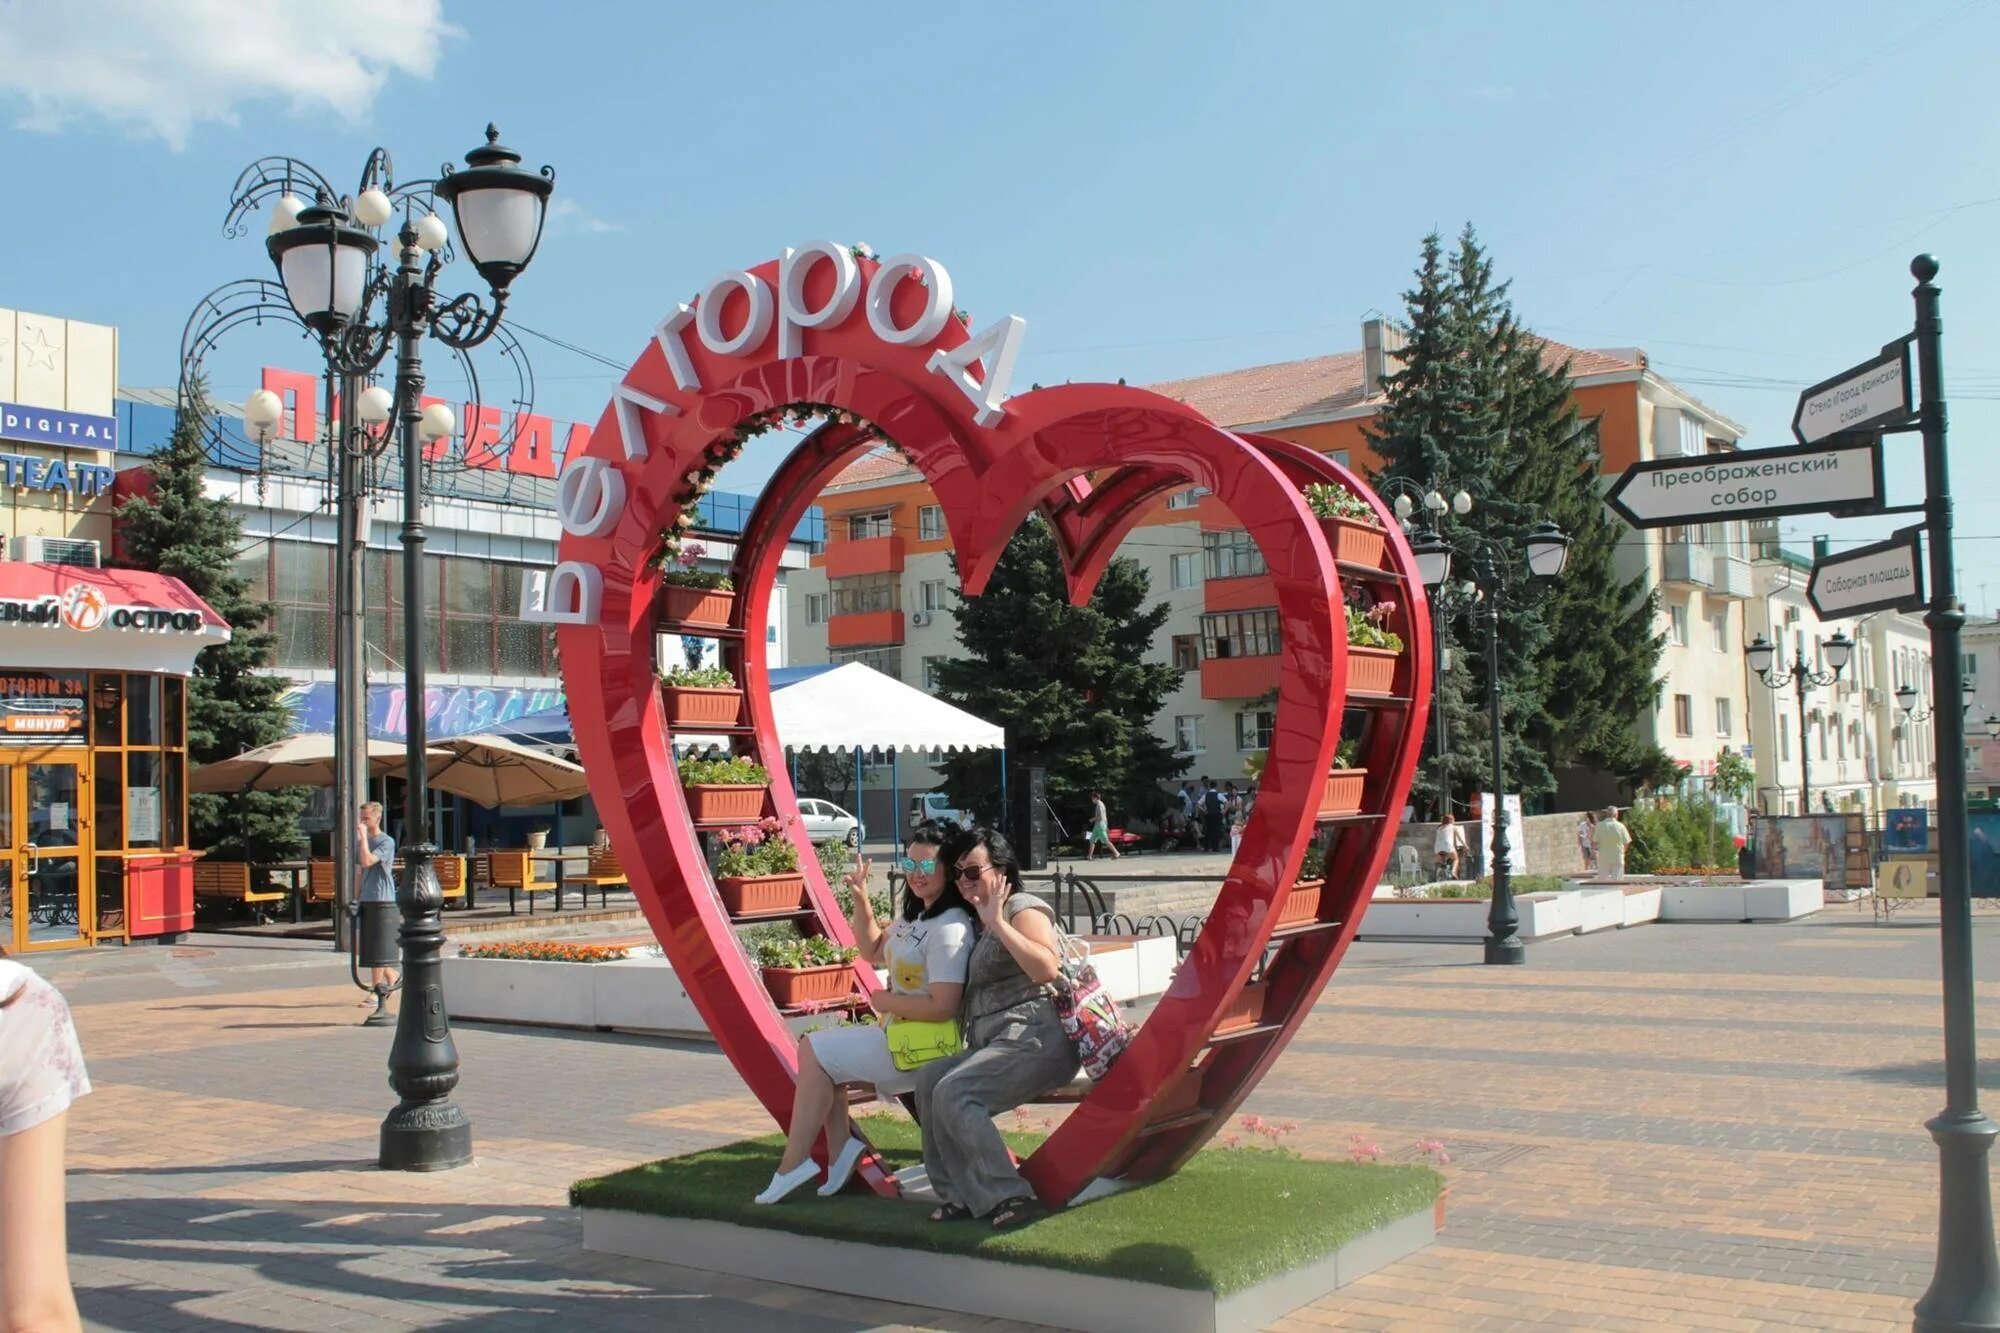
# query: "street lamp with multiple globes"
1762,655
1546,549
325,254
1906,699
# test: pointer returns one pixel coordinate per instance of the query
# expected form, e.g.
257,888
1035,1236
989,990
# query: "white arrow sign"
1888,576
1870,396
1842,475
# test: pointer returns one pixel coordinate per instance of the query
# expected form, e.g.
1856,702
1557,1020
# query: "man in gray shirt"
377,853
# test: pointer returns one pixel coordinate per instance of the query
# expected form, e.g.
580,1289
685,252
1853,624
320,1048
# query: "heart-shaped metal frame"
1094,459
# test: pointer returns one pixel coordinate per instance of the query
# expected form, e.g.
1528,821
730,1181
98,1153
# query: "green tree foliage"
1678,831
1477,405
233,705
1071,684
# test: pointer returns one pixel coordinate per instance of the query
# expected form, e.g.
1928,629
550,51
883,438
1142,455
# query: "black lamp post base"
381,1017
425,1136
1509,950
1964,1293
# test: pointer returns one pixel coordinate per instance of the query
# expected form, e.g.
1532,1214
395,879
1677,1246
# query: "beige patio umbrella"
302,760
494,771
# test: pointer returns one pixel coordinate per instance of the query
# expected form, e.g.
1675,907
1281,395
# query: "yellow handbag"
913,1043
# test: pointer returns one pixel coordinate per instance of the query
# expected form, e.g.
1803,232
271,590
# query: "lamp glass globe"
262,411
285,213
437,422
372,208
431,233
374,404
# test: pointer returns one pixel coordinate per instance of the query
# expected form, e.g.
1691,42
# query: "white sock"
840,1168
784,1182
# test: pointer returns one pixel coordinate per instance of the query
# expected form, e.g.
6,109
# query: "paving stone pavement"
1672,1127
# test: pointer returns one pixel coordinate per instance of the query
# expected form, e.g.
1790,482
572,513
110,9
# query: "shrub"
1676,833
1365,628
723,773
802,951
1329,501
680,569
758,849
699,678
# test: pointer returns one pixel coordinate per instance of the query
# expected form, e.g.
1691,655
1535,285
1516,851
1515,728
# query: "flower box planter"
699,706
1371,670
792,987
1342,795
1247,1009
1301,904
719,804
1355,542
760,895
698,606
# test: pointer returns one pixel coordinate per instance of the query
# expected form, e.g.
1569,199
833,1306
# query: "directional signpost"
1888,576
1841,475
1874,395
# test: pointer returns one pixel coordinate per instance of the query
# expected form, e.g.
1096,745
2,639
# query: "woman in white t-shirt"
925,951
41,1073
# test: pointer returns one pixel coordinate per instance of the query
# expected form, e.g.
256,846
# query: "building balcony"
1246,593
1729,576
1240,677
861,628
870,555
1683,563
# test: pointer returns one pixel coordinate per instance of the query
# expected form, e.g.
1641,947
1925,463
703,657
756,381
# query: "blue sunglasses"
928,865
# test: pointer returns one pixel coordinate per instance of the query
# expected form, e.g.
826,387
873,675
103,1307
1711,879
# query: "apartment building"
883,591
1980,649
1858,750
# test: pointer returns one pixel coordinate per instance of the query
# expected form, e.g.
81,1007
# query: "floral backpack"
1090,1017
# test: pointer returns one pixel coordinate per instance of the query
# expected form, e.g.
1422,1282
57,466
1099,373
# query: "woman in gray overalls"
1015,1047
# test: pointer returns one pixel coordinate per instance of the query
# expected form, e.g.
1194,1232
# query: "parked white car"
826,822
936,807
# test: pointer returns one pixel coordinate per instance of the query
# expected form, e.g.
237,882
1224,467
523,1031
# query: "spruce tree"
1070,684
233,705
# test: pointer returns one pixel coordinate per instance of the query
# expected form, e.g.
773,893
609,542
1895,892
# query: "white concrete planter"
1782,899
1757,900
1543,915
1598,909
1641,906
1701,902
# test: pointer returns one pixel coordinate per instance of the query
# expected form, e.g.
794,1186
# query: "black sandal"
950,1212
1018,1212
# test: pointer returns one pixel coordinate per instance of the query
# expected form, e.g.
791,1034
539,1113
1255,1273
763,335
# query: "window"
865,593
1240,634
1187,652
1187,734
816,607
1683,715
875,523
930,523
1784,739
1253,729
1819,727
887,659
1677,627
1723,718
1184,570
931,673
936,594
1718,629
1231,554
1186,499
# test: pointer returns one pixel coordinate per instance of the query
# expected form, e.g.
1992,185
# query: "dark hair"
949,897
999,852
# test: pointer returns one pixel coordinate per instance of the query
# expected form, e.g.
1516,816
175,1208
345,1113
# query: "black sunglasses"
971,874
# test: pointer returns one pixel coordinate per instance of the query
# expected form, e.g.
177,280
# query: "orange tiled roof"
1328,384
878,466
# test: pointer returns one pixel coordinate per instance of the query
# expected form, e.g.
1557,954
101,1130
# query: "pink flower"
1253,1123
1231,1140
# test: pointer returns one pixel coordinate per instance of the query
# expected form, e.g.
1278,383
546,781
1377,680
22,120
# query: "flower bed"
1245,1011
1302,903
760,895
1371,670
545,951
701,696
699,606
1342,794
1350,524
721,790
804,970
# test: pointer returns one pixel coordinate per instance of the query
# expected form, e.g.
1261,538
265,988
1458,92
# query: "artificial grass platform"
1228,1220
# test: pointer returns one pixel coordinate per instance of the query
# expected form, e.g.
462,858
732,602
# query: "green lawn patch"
1228,1220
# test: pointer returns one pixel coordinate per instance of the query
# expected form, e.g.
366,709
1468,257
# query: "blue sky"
1160,190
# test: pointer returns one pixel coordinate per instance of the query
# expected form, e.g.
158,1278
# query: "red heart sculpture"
1093,458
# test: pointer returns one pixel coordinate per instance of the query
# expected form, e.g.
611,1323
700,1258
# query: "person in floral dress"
41,1073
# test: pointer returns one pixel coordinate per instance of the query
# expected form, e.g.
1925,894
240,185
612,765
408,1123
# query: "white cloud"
161,67
567,215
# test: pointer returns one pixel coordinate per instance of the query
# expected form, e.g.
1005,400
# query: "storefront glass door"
44,847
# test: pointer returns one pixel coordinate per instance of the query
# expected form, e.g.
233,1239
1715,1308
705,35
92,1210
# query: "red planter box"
791,987
1343,792
1302,903
1371,670
697,706
760,895
1247,1009
698,606
713,804
1356,543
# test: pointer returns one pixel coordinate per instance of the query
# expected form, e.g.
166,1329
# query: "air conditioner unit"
920,618
57,551
1874,697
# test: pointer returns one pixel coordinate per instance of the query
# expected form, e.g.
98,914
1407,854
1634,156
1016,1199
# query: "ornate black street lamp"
1761,654
326,257
1906,699
1546,549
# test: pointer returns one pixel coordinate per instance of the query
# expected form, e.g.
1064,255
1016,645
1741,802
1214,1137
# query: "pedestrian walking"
1586,839
376,853
1100,830
41,1073
1612,840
